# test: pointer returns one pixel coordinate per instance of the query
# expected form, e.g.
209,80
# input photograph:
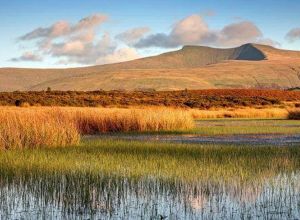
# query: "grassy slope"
186,68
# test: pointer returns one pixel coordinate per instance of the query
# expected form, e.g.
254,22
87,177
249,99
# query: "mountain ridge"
189,56
193,67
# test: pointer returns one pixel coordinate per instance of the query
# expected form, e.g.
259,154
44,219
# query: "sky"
61,34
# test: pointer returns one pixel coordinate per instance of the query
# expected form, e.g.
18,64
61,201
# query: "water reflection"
86,197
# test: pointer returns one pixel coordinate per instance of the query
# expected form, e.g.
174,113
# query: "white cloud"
194,30
78,43
190,30
64,28
81,42
27,56
239,33
120,55
84,52
293,35
132,35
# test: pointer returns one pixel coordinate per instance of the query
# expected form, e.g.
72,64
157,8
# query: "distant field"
202,99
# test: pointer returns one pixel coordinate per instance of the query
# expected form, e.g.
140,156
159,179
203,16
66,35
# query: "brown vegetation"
295,114
102,120
202,99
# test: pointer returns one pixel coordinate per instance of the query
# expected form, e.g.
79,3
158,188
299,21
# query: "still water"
66,197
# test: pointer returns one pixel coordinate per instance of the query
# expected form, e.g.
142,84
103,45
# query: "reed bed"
37,127
165,161
101,179
103,120
240,113
34,129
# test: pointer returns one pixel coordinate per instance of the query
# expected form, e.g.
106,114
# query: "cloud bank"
132,35
64,28
194,30
27,56
78,43
83,42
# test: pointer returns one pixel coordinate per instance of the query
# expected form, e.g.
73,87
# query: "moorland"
134,140
192,67
200,99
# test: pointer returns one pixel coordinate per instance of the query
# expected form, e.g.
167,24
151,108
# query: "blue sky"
119,30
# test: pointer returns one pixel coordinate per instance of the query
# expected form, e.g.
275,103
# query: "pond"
192,175
62,198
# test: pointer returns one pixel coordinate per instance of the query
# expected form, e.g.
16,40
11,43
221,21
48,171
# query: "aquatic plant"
126,179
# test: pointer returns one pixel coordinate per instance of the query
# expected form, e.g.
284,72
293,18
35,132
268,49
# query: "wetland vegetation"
201,99
129,179
54,164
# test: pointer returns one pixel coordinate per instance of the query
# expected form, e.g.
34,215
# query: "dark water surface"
239,139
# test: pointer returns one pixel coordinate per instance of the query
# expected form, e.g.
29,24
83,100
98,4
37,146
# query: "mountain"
192,67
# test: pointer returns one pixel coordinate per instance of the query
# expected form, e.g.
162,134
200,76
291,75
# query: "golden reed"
37,127
240,113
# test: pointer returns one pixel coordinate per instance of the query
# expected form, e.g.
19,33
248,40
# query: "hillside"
192,67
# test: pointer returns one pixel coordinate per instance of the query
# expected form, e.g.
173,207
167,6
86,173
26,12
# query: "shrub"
192,98
18,102
294,115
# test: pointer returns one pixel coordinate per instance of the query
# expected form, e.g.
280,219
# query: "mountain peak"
189,67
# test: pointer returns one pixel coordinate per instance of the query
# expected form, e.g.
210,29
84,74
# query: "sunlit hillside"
192,67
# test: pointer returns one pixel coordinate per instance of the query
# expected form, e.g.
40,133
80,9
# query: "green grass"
247,126
102,177
237,126
167,161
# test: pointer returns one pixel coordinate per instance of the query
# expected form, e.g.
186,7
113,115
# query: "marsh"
133,179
